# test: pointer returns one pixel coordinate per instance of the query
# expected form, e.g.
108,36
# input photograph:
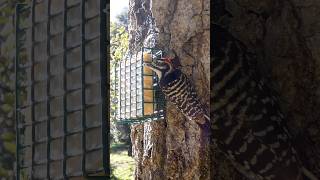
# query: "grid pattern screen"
138,95
61,89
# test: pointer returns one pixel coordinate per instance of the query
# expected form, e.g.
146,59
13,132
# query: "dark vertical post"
115,86
83,88
125,89
32,84
142,80
130,87
104,81
65,113
48,89
120,88
16,90
136,77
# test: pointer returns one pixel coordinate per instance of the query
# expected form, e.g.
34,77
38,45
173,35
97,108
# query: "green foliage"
122,165
3,20
8,136
3,172
8,10
10,147
6,108
7,46
9,98
119,41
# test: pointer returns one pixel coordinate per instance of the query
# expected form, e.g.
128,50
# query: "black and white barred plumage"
247,122
178,89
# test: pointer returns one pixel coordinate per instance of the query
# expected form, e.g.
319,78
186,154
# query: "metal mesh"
61,120
139,98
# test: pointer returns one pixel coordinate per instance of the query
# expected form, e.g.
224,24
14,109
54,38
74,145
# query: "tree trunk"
171,149
283,34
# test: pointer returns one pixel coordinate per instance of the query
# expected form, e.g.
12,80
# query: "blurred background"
121,161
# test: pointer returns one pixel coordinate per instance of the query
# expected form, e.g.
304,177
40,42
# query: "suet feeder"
139,98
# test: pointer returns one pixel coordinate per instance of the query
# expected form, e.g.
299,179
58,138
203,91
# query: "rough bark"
171,149
284,35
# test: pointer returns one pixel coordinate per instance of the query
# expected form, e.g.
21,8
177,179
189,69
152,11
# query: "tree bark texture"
172,149
284,36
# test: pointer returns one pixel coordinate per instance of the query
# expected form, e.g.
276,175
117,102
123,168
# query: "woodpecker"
178,89
247,123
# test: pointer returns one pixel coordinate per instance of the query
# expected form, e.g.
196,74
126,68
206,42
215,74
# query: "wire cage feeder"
139,98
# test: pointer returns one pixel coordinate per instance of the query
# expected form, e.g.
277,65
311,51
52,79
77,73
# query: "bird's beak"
154,69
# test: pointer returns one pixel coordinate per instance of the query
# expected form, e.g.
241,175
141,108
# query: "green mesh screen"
61,94
138,97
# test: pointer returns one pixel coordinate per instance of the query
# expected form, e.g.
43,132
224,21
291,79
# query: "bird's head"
162,67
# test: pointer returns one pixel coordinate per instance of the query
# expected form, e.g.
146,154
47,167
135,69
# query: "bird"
246,120
248,125
178,89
